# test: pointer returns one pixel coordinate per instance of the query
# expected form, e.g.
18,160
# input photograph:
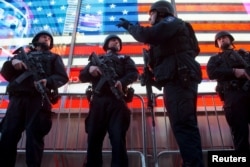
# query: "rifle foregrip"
99,85
150,95
42,91
40,88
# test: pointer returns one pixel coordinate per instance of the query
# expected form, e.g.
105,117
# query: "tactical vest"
117,62
117,65
168,57
183,40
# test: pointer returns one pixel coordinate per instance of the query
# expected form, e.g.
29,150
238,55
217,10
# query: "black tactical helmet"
36,37
221,34
163,7
105,45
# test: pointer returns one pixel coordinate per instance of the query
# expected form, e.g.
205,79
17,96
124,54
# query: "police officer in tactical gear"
28,108
173,47
231,69
108,113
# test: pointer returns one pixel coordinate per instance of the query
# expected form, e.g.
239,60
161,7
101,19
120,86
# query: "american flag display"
100,16
86,23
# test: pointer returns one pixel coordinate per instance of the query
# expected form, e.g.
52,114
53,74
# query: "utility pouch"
220,91
246,86
54,96
89,93
129,95
184,76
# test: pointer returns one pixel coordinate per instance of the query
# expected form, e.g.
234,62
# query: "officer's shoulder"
124,57
243,52
52,54
170,18
121,56
101,56
218,55
215,56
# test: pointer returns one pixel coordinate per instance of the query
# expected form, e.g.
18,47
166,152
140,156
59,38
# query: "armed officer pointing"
231,69
33,81
173,47
108,112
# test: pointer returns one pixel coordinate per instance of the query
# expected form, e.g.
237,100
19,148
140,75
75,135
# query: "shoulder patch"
169,19
121,56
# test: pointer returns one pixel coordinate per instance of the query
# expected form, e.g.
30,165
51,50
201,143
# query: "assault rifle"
34,69
238,61
108,76
147,79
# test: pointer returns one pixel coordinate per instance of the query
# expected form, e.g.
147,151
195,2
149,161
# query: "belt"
234,85
24,93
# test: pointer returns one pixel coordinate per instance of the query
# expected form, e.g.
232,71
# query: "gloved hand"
123,23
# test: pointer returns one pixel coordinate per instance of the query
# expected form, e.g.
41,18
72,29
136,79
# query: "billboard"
80,27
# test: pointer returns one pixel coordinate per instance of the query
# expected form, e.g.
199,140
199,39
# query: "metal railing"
211,121
68,136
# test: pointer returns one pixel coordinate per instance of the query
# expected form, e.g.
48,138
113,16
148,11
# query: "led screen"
92,20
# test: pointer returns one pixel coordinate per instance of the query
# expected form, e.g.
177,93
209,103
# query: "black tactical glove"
123,23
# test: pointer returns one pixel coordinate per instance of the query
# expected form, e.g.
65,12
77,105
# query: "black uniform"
235,92
28,110
107,113
172,53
